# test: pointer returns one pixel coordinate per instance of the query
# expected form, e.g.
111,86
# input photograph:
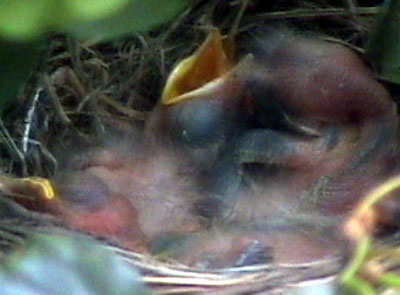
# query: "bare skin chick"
131,199
308,111
299,127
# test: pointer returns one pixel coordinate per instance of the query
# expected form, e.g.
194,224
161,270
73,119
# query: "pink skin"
222,246
144,198
319,85
321,81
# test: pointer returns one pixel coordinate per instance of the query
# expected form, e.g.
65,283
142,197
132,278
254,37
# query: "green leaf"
68,265
138,15
357,286
383,49
23,20
88,10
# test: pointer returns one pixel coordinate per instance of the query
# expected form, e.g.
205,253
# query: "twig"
75,83
55,99
28,120
88,99
12,148
136,115
74,51
312,13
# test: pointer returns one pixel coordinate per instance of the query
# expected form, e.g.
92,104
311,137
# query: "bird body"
131,199
309,107
260,152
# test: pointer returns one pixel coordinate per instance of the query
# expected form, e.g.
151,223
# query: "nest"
169,277
85,87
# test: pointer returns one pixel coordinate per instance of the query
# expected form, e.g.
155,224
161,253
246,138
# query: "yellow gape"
43,184
30,186
208,63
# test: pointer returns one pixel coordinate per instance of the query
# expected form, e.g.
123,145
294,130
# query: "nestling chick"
280,240
297,127
308,109
131,195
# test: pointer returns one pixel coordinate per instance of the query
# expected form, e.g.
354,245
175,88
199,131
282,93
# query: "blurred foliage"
24,22
383,50
368,257
70,265
136,16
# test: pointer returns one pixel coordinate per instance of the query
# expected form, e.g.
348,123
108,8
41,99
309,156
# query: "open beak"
208,63
193,74
38,187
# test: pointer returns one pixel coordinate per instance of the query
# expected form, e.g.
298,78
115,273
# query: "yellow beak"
29,186
207,64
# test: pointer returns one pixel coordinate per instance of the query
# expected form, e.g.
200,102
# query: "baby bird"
126,193
241,153
307,111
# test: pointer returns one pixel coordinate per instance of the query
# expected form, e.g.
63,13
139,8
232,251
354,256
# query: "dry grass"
83,90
